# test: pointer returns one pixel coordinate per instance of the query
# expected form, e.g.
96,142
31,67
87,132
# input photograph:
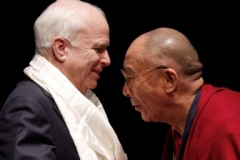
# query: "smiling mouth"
98,71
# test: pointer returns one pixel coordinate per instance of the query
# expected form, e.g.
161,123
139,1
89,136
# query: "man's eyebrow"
102,43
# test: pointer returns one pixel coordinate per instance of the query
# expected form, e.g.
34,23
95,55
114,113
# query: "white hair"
64,20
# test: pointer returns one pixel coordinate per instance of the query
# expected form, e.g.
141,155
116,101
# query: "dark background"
212,27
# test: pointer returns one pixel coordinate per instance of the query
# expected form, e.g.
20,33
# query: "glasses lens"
127,79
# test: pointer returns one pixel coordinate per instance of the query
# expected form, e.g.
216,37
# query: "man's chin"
93,85
145,118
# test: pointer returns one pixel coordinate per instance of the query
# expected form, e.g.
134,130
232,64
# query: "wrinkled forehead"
135,57
136,49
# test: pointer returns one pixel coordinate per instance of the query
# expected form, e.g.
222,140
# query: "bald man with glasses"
163,79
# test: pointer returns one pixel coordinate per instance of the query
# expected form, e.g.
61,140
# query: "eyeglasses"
128,77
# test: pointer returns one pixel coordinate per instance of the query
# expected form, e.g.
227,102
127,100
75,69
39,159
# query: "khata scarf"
84,115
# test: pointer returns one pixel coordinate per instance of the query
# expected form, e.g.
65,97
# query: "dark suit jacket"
32,128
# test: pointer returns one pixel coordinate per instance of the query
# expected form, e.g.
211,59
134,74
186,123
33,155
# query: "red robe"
215,130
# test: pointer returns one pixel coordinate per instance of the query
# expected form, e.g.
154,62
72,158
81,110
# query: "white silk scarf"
84,115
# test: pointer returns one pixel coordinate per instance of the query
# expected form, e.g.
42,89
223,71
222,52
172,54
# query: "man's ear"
171,80
59,48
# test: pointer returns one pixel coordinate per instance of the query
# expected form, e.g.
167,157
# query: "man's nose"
126,90
105,59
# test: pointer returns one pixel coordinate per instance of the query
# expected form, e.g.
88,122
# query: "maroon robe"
215,130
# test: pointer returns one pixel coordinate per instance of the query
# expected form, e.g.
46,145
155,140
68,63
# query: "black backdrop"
212,28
